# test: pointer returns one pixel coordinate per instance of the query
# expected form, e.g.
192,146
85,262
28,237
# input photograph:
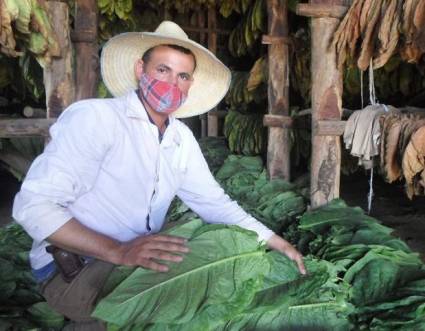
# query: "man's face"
169,65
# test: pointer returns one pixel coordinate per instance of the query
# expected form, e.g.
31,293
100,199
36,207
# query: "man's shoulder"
95,103
183,129
106,108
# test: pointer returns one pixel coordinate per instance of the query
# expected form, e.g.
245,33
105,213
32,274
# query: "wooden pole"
278,148
86,49
58,77
326,99
209,124
201,28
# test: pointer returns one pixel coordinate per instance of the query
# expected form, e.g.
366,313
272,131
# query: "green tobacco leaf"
119,274
209,284
42,314
290,301
323,316
380,272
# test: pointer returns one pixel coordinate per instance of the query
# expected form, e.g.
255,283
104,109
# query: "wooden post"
209,124
201,24
86,49
278,149
58,77
326,99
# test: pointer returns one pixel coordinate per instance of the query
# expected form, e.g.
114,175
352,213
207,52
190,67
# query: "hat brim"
119,55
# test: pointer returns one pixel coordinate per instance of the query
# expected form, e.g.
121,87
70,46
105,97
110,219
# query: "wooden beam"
25,127
278,147
329,128
58,77
278,121
86,49
326,101
321,10
31,112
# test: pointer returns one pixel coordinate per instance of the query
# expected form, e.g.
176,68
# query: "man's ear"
138,69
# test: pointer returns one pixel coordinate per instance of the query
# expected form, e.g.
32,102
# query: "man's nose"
173,79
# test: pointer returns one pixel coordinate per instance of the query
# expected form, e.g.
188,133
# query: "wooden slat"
279,121
330,128
321,10
25,127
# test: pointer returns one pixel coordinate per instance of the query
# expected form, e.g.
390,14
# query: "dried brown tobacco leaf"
410,125
387,121
414,163
347,34
366,14
408,15
392,169
419,23
409,52
368,44
7,40
389,33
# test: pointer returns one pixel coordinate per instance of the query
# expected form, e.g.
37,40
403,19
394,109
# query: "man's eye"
162,70
184,77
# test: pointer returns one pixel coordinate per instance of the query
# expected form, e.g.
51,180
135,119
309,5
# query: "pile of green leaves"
384,275
227,282
21,307
215,151
274,202
359,276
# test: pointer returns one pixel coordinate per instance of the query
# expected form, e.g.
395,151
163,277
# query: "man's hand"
145,251
281,245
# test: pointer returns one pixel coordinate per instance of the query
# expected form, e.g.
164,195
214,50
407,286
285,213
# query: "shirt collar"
136,109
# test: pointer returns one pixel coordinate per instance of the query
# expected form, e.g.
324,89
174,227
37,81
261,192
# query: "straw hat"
211,76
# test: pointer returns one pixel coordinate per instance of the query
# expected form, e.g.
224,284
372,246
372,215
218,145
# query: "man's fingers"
161,255
170,239
152,265
300,263
167,246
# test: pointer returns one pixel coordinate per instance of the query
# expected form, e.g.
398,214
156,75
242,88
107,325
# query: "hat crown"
171,29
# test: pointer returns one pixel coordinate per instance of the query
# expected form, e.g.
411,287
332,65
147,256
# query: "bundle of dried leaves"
374,30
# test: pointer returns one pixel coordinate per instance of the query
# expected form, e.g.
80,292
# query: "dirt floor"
390,205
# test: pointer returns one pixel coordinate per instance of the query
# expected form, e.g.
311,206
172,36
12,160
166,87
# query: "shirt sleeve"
201,192
64,171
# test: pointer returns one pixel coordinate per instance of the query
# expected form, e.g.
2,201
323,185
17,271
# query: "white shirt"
105,166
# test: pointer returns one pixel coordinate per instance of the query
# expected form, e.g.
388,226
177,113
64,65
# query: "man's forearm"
77,238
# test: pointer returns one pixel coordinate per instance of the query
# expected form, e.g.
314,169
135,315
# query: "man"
105,181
